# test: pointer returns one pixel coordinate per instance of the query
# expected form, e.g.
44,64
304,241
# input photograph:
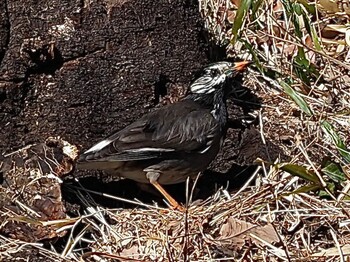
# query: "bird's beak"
240,66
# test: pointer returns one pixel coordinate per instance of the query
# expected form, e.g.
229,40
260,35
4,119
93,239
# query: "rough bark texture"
79,69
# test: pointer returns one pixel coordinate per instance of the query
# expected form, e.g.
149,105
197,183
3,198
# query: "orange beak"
240,66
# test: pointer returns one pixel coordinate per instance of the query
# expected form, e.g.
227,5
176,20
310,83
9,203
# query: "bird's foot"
179,207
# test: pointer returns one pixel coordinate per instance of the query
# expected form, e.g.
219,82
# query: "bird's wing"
183,127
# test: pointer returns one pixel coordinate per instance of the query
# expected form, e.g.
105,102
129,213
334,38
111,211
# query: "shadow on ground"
206,186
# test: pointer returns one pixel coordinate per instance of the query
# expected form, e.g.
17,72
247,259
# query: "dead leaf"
132,252
266,233
231,16
311,56
330,6
340,48
287,49
333,251
235,232
337,28
278,7
234,227
339,7
236,2
347,36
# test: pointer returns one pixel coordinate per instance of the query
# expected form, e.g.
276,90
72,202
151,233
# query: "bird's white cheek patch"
99,146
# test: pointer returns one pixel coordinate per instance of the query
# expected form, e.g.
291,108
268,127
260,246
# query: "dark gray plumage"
175,141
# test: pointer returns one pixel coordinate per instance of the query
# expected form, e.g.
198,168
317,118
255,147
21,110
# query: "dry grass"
287,227
16,250
309,225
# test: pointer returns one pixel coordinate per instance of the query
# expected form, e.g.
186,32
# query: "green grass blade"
306,189
241,14
310,8
288,7
295,14
331,190
333,171
256,5
296,97
256,59
311,30
301,66
315,38
342,149
299,171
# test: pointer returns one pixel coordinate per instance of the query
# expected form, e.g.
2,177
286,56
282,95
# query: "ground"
80,69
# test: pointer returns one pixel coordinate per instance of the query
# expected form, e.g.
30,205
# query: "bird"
173,142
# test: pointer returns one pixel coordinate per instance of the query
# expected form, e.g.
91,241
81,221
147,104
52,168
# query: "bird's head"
216,77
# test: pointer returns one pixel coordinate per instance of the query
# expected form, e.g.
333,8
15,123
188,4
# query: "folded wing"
184,127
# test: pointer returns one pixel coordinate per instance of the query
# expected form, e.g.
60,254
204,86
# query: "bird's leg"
153,177
168,197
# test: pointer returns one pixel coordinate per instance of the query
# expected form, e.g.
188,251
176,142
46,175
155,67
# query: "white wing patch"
205,149
150,149
99,146
215,111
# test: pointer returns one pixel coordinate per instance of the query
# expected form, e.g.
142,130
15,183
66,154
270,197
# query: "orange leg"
168,197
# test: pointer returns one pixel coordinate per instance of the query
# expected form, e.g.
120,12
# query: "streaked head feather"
213,76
